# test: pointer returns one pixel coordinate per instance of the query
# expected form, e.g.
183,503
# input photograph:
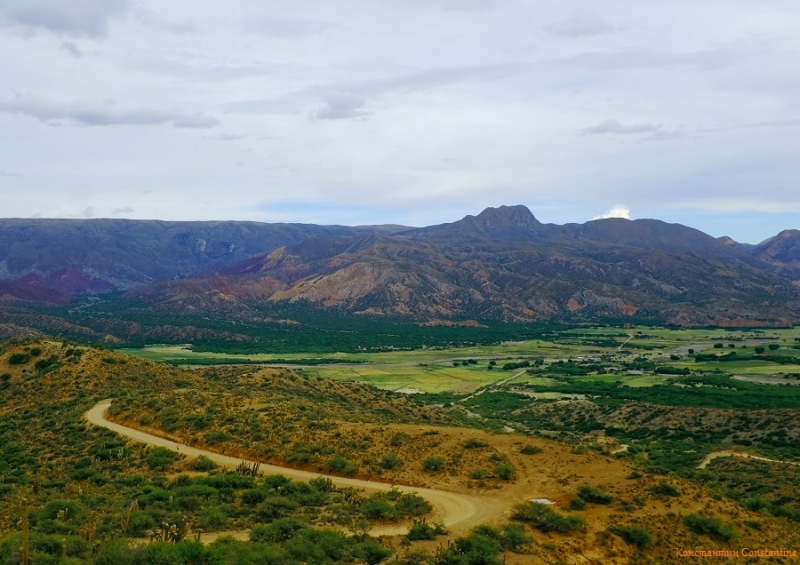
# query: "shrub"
636,536
576,504
594,495
398,439
474,443
410,504
545,519
339,464
712,527
505,471
664,489
719,345
202,464
278,531
433,464
759,350
215,438
5,377
530,450
421,530
774,346
18,358
479,474
161,458
254,496
378,508
275,507
140,523
391,462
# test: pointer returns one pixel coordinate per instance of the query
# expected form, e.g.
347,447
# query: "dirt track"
459,512
711,456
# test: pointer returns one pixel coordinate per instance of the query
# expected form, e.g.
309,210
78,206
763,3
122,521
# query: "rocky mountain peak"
506,217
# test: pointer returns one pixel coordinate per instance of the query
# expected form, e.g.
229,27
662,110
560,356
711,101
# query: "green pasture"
430,378
432,370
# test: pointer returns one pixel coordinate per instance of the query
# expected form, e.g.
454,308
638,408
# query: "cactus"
246,469
24,525
126,518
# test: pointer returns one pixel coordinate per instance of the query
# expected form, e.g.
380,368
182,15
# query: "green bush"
202,464
433,464
339,464
421,530
774,346
275,507
474,443
279,531
18,358
160,458
215,438
545,519
530,450
576,504
636,536
140,523
391,462
759,350
505,471
594,495
410,504
664,489
712,527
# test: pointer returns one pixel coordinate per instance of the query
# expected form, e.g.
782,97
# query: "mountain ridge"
502,264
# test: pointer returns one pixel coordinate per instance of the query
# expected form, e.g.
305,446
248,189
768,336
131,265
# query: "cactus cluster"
246,469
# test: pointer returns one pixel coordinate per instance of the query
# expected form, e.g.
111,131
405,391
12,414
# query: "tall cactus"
126,518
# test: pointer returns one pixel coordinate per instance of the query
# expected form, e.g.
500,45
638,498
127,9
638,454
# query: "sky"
412,112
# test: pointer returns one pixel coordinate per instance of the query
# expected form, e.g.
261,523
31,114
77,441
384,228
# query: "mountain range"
502,265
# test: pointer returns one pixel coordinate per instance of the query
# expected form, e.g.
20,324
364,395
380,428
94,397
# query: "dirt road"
711,456
459,512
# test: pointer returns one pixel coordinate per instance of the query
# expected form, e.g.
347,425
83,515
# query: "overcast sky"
403,111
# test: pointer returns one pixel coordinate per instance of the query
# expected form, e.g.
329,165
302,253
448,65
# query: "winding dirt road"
458,512
711,456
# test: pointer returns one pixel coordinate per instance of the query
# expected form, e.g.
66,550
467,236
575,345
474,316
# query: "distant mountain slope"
502,264
782,250
93,256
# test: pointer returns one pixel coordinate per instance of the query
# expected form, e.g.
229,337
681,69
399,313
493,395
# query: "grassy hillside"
87,493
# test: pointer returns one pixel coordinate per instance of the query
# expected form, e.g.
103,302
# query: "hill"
122,281
79,482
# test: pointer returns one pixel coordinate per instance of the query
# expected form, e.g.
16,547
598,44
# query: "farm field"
437,370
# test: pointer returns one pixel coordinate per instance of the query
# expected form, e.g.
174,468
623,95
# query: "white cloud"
618,211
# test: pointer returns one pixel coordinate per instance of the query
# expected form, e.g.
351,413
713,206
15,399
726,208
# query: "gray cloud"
94,114
88,212
614,127
71,48
646,58
581,25
346,100
341,106
123,210
157,23
73,17
230,137
9,174
288,28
